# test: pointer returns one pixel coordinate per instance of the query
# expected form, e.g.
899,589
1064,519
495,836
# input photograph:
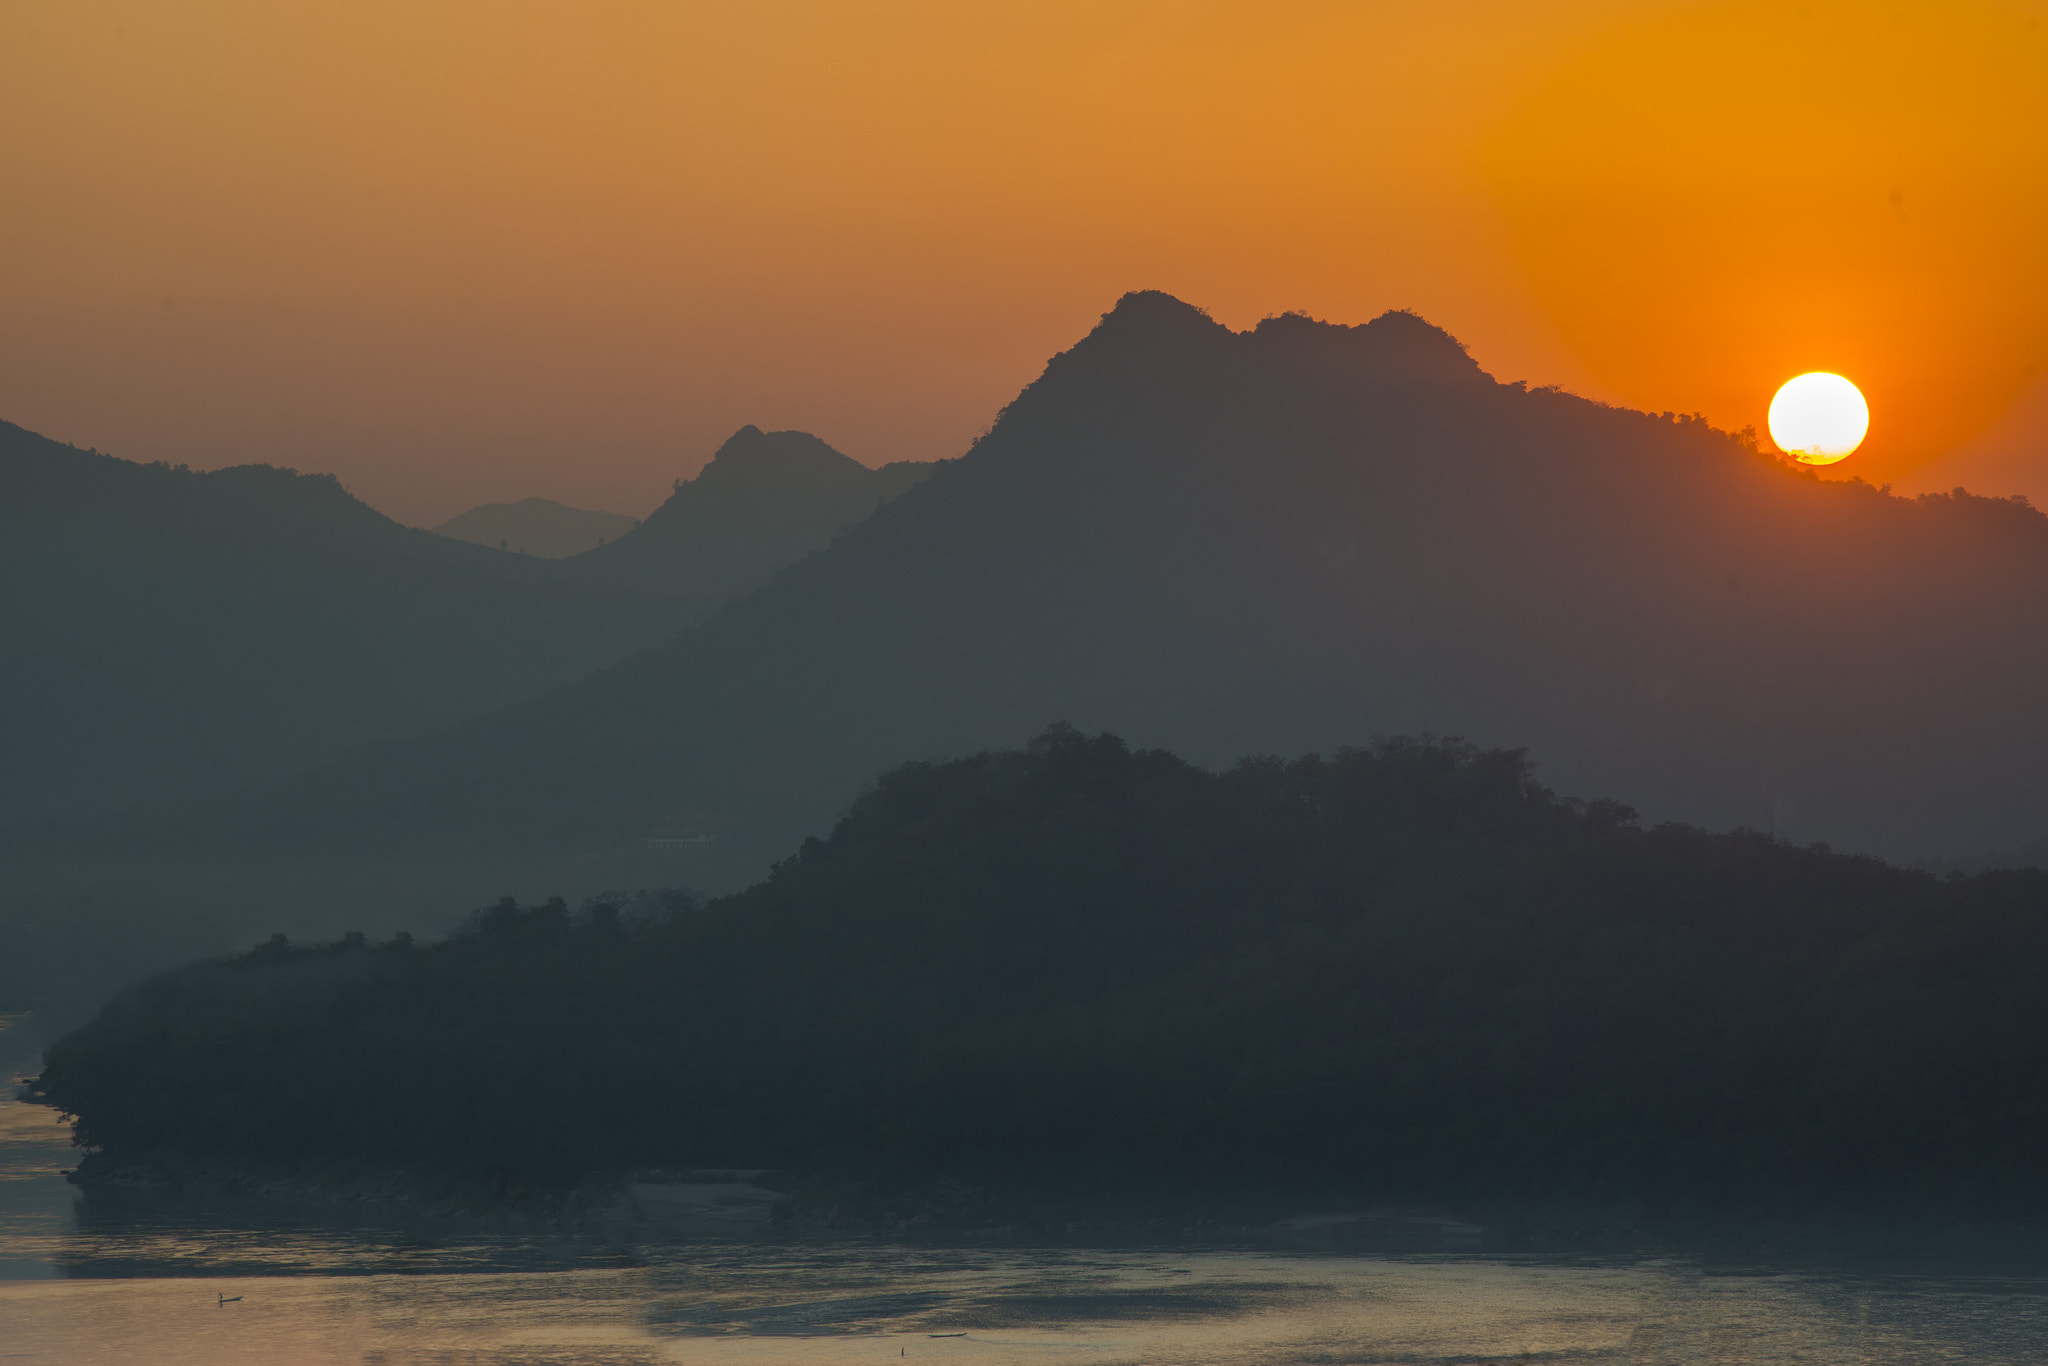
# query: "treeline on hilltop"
1408,967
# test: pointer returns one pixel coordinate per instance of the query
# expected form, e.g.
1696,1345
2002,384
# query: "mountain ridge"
1365,533
177,633
1282,540
181,631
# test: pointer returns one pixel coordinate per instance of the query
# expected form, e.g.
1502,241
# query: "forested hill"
1403,969
169,633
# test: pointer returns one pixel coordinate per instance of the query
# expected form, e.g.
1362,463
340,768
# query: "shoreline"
753,1205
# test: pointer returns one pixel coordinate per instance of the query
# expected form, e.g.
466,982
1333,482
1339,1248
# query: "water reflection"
147,1282
35,1203
871,1303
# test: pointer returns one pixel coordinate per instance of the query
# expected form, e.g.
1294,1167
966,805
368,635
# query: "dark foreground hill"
1406,969
1291,538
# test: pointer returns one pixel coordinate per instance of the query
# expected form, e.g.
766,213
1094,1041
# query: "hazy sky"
465,252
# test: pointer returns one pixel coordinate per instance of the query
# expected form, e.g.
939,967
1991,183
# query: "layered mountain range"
1295,537
169,634
1298,537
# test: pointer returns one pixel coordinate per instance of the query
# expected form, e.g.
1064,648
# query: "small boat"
225,1299
945,1335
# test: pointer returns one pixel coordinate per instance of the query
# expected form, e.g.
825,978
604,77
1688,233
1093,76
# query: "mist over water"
83,1283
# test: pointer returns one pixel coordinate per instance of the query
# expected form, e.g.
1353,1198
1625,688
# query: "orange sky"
461,251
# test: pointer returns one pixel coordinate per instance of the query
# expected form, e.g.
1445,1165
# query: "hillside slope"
165,632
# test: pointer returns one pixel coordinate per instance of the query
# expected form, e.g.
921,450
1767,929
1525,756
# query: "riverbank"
621,1210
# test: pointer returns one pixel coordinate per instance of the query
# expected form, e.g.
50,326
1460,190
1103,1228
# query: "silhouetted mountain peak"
764,500
1150,340
1154,314
1153,331
752,457
1155,365
1156,341
1398,347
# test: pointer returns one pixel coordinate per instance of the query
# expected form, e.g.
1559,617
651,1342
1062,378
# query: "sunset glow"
462,253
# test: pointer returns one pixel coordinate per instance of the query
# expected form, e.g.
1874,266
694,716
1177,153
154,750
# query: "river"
82,1284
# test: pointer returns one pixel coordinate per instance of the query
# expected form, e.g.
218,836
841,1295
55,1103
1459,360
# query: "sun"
1819,418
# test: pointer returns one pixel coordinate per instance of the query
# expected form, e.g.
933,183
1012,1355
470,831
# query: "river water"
82,1285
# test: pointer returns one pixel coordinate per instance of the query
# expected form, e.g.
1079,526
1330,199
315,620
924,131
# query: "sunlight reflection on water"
862,1304
149,1290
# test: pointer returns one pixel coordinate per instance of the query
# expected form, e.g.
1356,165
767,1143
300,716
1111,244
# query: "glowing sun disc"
1819,418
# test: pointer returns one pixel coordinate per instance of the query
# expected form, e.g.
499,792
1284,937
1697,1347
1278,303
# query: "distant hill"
1294,537
169,633
765,500
168,637
537,526
166,632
